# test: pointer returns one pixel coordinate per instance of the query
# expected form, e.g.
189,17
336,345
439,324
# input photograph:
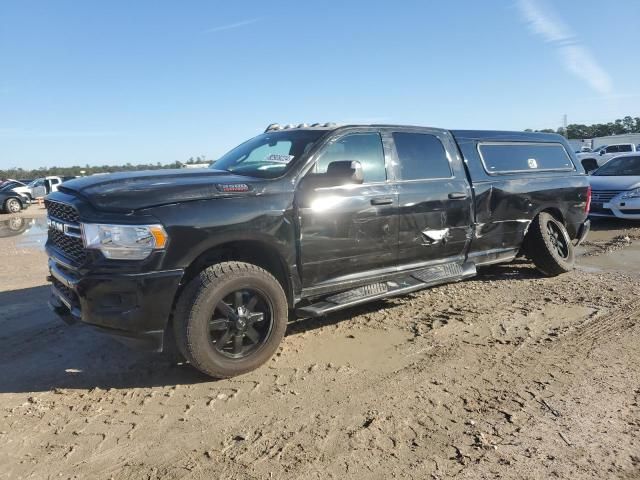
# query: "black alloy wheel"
549,246
558,239
230,319
241,323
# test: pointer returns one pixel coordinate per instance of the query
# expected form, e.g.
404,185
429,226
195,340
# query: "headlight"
635,193
124,242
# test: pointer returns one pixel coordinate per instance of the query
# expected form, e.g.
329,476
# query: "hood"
628,182
126,191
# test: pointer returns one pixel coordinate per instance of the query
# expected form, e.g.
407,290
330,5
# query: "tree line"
620,126
77,170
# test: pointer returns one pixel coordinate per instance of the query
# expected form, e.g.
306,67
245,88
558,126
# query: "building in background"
579,145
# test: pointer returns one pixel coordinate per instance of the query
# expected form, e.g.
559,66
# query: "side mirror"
602,152
345,172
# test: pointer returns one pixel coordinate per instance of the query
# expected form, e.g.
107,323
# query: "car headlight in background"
124,242
635,193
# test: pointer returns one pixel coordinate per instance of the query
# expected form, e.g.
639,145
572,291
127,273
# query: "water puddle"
623,260
32,232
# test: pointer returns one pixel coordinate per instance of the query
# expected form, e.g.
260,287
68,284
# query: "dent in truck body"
506,204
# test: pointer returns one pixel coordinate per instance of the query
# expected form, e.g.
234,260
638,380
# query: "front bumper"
621,208
134,308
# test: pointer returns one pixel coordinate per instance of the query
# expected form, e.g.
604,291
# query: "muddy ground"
508,375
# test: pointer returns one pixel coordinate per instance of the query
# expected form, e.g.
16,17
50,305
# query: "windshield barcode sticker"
279,158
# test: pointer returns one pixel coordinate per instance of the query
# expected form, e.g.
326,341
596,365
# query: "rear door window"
421,156
504,158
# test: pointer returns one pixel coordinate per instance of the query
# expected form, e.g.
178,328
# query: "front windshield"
268,155
621,166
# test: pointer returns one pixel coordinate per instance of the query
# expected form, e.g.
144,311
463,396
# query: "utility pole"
564,125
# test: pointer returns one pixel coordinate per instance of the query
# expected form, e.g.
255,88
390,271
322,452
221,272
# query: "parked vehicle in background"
601,155
310,219
12,202
10,184
16,186
616,188
43,186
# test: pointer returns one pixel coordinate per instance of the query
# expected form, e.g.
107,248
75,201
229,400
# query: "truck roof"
502,136
486,135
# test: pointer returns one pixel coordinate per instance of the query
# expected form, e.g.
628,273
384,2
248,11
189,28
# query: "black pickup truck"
303,221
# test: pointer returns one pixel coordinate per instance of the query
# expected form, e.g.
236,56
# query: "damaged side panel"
505,204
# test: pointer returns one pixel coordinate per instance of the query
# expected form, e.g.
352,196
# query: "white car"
601,155
615,188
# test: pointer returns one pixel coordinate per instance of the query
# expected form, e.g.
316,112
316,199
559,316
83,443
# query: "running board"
411,282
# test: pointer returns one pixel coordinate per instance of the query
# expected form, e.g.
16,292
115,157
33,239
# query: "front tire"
12,205
230,319
548,245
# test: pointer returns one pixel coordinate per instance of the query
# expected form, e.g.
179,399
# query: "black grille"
62,211
602,196
71,247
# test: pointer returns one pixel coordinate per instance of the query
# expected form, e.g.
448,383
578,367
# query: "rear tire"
230,319
548,245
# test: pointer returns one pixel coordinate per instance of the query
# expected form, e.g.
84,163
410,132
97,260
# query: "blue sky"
156,81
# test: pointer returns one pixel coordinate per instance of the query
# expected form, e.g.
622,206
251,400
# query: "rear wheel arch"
555,213
539,247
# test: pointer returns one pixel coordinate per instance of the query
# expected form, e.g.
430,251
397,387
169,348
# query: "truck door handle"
457,196
382,201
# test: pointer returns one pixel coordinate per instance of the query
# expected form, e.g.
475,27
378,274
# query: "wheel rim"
241,323
14,206
558,239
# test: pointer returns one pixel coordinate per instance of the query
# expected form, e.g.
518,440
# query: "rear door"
434,198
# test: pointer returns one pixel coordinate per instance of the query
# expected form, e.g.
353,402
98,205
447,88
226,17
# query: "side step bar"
411,282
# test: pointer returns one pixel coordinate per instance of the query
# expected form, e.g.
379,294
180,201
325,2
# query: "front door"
347,231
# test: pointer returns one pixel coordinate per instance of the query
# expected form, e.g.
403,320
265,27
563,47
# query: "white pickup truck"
601,155
43,186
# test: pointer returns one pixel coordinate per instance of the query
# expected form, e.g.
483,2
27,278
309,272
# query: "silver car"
615,188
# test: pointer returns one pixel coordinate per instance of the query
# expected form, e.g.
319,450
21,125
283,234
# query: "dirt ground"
508,375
